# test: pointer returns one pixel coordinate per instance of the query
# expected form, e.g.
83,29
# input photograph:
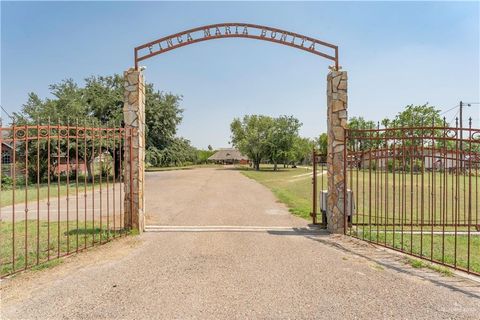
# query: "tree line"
274,139
415,121
414,128
99,103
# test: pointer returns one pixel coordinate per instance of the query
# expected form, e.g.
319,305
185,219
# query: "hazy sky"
396,54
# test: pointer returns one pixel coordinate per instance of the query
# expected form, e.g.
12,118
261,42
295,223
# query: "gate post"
134,154
337,123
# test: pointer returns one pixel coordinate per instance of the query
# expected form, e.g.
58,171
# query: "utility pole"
461,135
461,120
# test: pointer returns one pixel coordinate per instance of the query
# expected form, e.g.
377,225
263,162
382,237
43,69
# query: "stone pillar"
134,161
337,122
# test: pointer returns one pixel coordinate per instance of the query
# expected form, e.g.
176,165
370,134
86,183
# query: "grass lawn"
445,249
55,241
446,198
291,186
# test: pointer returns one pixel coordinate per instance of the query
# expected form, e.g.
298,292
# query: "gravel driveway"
231,251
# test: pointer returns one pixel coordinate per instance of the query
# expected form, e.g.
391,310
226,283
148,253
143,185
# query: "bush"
106,168
391,163
405,166
417,165
7,182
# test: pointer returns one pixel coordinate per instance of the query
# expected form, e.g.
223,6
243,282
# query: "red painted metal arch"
242,30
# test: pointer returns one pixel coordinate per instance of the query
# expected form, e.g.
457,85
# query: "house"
434,159
69,165
7,159
228,156
63,164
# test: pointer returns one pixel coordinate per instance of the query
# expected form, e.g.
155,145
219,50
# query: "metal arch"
235,30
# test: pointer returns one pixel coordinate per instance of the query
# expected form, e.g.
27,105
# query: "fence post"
134,153
337,122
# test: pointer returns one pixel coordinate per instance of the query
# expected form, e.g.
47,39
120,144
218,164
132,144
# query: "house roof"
227,154
6,138
7,145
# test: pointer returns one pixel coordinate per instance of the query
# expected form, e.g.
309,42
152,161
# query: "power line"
6,112
450,109
454,117
465,104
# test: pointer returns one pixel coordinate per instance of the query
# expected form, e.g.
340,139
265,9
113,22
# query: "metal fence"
416,190
61,192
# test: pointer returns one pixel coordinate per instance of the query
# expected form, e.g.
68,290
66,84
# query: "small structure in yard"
228,156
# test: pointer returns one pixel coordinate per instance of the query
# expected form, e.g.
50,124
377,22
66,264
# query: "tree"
251,136
281,137
322,144
417,116
203,155
100,103
262,137
301,151
162,117
104,98
359,123
64,109
178,153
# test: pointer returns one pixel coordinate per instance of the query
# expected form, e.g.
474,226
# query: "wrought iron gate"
61,191
417,191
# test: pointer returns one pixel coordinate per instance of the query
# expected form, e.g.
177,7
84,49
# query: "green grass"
47,265
418,264
446,198
448,249
295,192
19,253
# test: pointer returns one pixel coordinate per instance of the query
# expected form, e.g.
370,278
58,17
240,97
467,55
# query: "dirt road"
231,251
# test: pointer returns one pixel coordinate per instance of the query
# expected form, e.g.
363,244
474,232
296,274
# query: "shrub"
106,168
7,182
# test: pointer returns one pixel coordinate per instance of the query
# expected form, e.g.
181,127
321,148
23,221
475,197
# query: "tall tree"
417,116
100,102
250,135
322,143
67,106
162,117
301,151
281,138
359,123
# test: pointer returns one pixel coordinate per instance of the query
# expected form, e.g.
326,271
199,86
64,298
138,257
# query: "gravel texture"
270,273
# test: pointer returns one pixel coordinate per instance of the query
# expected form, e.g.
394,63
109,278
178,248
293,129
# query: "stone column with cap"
337,123
134,153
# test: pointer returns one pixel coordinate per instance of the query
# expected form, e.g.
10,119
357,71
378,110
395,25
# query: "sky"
395,53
